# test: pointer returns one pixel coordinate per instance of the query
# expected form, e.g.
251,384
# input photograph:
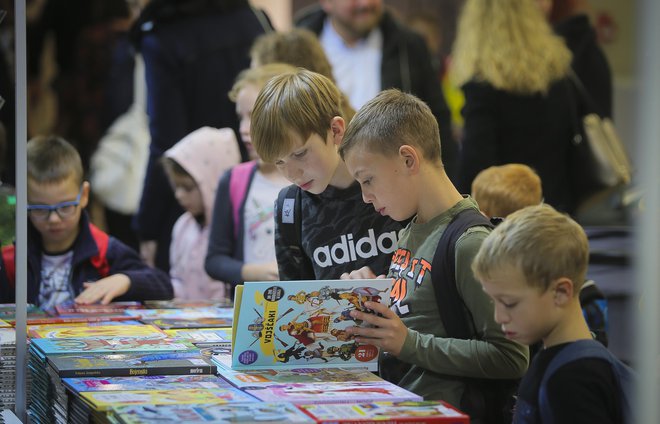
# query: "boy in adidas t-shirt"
392,148
297,124
68,257
532,266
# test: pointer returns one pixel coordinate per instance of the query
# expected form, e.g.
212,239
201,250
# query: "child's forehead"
63,187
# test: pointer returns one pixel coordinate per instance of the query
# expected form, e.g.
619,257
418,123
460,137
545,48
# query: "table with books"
281,354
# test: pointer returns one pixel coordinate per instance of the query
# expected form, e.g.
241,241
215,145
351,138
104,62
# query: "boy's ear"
338,127
84,196
410,157
564,291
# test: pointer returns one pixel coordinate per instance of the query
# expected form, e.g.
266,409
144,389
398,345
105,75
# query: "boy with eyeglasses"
68,257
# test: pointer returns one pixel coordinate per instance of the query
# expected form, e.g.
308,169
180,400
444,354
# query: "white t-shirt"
356,68
259,230
55,286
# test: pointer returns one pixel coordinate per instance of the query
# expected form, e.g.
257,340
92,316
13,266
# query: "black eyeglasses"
64,210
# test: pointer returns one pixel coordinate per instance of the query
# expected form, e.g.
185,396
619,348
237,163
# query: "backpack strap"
9,263
443,274
582,349
289,223
100,261
239,180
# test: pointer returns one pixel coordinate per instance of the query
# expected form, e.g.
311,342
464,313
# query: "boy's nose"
501,317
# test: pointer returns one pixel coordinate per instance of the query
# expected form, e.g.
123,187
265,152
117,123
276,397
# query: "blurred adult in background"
370,50
84,33
192,52
513,70
571,21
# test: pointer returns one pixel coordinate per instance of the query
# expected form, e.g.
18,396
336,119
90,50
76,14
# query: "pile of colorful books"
282,354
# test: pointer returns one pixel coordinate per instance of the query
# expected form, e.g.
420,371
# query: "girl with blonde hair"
518,102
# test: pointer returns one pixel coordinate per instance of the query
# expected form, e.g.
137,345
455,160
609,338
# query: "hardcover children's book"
182,313
82,319
420,412
282,375
204,322
255,412
183,303
109,345
127,364
70,308
201,335
350,392
144,382
96,330
302,323
102,401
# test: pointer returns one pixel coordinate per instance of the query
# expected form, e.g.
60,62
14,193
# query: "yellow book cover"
142,331
102,401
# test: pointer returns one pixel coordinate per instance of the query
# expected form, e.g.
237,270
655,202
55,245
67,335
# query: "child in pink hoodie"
194,166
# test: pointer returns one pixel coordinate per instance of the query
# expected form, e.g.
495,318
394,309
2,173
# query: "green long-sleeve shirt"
437,360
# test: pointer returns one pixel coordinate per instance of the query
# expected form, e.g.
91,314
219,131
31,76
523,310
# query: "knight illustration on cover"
303,323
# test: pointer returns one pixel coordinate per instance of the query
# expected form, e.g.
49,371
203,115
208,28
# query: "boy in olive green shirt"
391,147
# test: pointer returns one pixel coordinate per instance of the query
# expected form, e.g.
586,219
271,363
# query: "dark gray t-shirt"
339,233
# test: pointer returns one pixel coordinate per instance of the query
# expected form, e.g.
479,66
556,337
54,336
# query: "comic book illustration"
127,364
109,344
283,375
303,323
201,335
102,401
203,322
70,308
254,412
182,313
144,382
96,330
348,392
420,412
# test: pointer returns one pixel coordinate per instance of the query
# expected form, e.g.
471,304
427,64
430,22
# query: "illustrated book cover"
282,375
71,308
420,412
96,330
144,382
255,412
102,401
202,322
201,335
109,345
347,392
302,323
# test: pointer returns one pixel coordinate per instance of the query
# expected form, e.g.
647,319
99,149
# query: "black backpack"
288,216
491,400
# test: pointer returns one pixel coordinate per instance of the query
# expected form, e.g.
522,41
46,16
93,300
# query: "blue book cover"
303,323
109,344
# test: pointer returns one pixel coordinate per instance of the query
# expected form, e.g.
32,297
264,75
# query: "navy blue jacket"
146,283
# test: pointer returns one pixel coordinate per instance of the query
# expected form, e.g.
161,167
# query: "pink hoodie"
205,154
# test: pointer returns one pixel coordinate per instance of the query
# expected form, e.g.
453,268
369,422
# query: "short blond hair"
390,120
52,159
539,241
258,77
298,103
502,190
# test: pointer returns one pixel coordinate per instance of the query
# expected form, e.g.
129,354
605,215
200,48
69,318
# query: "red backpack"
99,261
